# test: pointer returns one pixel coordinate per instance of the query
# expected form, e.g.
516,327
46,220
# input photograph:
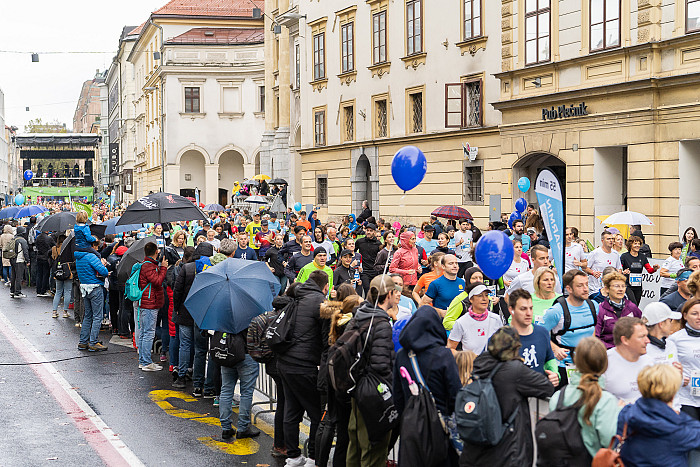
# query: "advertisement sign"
548,189
651,285
113,158
128,181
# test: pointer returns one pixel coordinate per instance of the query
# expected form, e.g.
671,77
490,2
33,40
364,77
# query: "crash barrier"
267,387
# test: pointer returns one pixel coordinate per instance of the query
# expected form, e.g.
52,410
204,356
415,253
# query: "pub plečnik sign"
564,111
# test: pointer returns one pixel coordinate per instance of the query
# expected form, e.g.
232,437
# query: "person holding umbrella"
151,278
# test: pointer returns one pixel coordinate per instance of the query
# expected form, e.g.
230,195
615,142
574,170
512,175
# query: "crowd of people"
408,307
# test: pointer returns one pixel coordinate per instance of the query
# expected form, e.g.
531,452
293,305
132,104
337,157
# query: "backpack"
279,334
227,349
567,320
345,362
9,251
478,412
131,288
258,347
62,272
424,438
558,437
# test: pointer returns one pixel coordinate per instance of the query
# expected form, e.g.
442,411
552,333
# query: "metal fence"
267,387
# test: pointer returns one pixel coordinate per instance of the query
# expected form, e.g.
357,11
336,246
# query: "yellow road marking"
240,447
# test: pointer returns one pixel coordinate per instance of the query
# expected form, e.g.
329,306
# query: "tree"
38,126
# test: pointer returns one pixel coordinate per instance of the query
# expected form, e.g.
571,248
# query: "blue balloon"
396,332
408,167
19,199
524,184
520,204
28,175
297,207
515,215
494,253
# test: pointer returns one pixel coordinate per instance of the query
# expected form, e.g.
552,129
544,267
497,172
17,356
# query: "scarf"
660,343
617,307
482,316
692,332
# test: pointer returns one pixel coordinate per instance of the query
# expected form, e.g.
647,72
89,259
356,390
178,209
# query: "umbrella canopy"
59,222
132,256
161,208
257,199
9,213
250,182
214,207
277,181
111,227
32,210
228,296
628,218
452,212
261,177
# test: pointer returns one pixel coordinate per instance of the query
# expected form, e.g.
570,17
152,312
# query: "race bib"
538,320
492,292
695,383
636,280
160,242
570,370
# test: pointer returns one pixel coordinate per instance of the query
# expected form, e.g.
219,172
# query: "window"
692,15
320,127
349,123
472,19
463,104
473,182
297,66
415,112
231,99
537,40
379,37
414,27
347,41
322,190
319,56
192,100
381,120
605,24
261,93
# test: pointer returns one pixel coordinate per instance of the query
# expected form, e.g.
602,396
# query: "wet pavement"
47,410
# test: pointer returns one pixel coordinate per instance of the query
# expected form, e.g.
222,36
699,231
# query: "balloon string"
402,201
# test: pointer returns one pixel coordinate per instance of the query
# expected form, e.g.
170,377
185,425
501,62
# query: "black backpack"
567,321
558,437
279,335
227,349
345,358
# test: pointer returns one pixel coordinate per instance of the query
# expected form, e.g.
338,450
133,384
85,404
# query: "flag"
81,207
548,189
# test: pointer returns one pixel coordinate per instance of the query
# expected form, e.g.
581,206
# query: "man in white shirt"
627,358
540,259
574,256
599,259
463,246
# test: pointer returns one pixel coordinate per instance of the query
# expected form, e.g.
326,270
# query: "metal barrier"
267,387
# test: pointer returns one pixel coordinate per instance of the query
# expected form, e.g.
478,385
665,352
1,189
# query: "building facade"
5,139
199,99
88,110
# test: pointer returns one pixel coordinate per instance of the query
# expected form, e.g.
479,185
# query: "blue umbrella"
9,213
228,296
114,229
214,207
32,210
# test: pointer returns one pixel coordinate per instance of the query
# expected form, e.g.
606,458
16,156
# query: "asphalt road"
88,408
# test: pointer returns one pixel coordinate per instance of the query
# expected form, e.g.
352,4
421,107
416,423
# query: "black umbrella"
133,255
161,208
277,181
59,222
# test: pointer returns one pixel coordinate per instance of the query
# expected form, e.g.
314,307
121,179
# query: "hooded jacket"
381,358
425,335
514,382
657,435
4,239
304,356
352,225
43,244
183,283
405,259
607,317
21,242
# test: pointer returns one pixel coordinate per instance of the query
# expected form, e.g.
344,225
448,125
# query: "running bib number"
570,370
492,292
635,280
695,383
160,242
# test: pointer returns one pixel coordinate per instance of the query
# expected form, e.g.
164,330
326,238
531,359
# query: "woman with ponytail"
599,410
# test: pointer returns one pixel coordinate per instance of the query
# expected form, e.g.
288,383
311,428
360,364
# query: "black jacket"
514,383
295,263
288,249
43,245
183,282
364,215
426,336
272,259
368,249
310,332
381,360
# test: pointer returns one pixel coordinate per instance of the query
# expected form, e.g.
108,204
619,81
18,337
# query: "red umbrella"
452,212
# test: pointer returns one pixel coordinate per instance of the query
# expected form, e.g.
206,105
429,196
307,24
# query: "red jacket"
406,259
153,274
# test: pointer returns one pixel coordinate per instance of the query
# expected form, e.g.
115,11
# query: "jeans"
93,316
284,280
147,331
43,268
6,273
247,372
186,345
63,289
174,352
201,347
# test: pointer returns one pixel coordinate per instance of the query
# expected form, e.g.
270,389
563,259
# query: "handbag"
610,456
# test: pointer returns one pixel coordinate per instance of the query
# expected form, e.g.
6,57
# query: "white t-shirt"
573,253
673,265
473,334
598,260
688,350
526,281
464,251
666,355
516,269
621,376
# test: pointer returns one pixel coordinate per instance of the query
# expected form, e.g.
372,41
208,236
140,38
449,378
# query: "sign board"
470,151
548,190
494,208
565,111
651,285
128,181
113,158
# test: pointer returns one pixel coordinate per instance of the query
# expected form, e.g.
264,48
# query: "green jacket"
454,311
603,420
306,270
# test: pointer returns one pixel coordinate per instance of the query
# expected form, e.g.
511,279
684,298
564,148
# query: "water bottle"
357,276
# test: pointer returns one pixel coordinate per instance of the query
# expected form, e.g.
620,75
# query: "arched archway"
256,158
530,166
363,184
230,171
192,172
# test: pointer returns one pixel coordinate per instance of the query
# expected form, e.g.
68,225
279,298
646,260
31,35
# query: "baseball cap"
345,252
319,250
683,274
531,230
655,313
479,289
383,284
428,228
121,250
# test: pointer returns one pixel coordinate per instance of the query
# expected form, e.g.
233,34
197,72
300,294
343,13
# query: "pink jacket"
405,259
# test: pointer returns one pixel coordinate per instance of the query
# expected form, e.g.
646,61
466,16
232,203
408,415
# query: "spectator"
5,238
671,266
181,316
627,359
613,307
151,282
64,286
405,260
368,247
19,264
687,341
365,214
43,245
91,272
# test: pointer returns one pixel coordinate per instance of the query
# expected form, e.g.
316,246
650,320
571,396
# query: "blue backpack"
131,288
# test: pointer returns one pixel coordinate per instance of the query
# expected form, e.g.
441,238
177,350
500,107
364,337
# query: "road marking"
99,436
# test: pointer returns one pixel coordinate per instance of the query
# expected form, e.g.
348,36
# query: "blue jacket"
83,237
89,266
656,435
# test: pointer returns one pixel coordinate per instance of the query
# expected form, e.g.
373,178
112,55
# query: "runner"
599,259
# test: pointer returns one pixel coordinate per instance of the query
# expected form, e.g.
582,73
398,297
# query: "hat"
263,222
121,250
256,214
346,252
319,250
683,274
479,289
656,312
531,230
383,284
371,226
428,228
